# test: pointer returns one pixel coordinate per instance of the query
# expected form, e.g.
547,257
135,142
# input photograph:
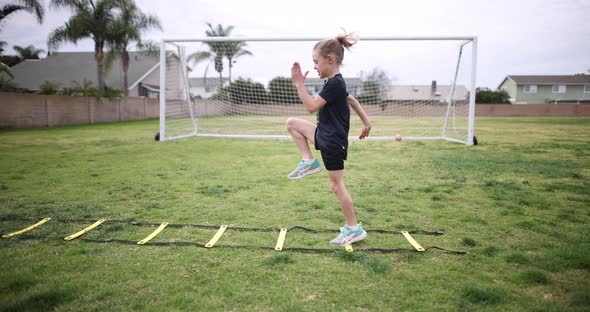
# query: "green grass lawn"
518,203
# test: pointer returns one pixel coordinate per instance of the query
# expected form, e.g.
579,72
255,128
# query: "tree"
85,88
127,28
487,96
282,90
3,67
233,50
92,19
247,92
27,53
31,6
10,60
374,88
218,50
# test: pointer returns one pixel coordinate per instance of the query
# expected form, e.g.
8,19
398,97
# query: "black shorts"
332,162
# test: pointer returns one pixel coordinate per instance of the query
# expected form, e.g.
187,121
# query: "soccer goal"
416,88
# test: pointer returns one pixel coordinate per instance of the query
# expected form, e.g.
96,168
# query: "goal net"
417,88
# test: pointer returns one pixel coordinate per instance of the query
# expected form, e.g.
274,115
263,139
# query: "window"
559,88
587,88
530,88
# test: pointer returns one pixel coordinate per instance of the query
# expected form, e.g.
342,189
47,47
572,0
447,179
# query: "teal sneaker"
304,169
348,236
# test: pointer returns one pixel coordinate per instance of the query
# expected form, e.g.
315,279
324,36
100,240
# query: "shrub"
487,96
7,85
49,87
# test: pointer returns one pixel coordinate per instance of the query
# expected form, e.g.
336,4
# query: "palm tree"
27,53
31,6
233,50
128,27
3,67
92,19
216,50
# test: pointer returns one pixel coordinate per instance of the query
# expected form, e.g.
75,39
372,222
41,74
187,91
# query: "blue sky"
523,37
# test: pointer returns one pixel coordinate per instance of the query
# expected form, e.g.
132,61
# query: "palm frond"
9,9
110,59
5,69
198,57
59,36
148,47
36,7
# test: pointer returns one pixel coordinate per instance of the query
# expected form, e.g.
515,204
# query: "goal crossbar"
277,39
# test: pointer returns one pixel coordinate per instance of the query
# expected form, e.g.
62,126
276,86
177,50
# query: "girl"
330,135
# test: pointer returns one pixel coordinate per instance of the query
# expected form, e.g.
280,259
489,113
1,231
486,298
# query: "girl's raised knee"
290,121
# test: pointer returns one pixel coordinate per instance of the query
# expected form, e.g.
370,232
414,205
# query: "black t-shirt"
333,118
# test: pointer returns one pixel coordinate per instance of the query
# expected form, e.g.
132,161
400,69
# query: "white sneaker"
348,236
304,169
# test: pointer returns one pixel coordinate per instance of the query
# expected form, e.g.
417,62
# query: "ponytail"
347,40
337,45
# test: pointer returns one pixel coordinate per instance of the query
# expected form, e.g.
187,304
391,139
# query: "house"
426,93
547,89
206,87
65,68
315,85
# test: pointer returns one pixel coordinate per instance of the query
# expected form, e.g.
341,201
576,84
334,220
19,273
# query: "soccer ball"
398,137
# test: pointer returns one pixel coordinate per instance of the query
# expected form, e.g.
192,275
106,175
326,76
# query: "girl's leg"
302,131
344,198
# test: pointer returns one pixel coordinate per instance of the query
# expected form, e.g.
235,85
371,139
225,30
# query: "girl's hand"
297,76
365,132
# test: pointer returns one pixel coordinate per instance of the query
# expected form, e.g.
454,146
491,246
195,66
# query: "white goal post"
416,88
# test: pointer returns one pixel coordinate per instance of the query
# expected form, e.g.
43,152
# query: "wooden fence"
19,110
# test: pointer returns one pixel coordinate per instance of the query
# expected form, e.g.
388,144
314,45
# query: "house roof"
210,81
424,92
541,80
65,67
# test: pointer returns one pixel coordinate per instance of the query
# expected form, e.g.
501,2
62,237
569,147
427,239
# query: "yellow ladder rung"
26,229
151,236
216,237
281,240
75,235
412,241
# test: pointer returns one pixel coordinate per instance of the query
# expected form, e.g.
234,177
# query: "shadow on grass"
566,257
482,295
534,277
279,259
581,297
41,301
373,264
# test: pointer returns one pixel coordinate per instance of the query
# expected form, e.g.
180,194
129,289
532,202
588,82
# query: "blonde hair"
337,45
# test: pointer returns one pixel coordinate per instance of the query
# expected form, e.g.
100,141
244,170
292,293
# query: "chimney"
433,87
